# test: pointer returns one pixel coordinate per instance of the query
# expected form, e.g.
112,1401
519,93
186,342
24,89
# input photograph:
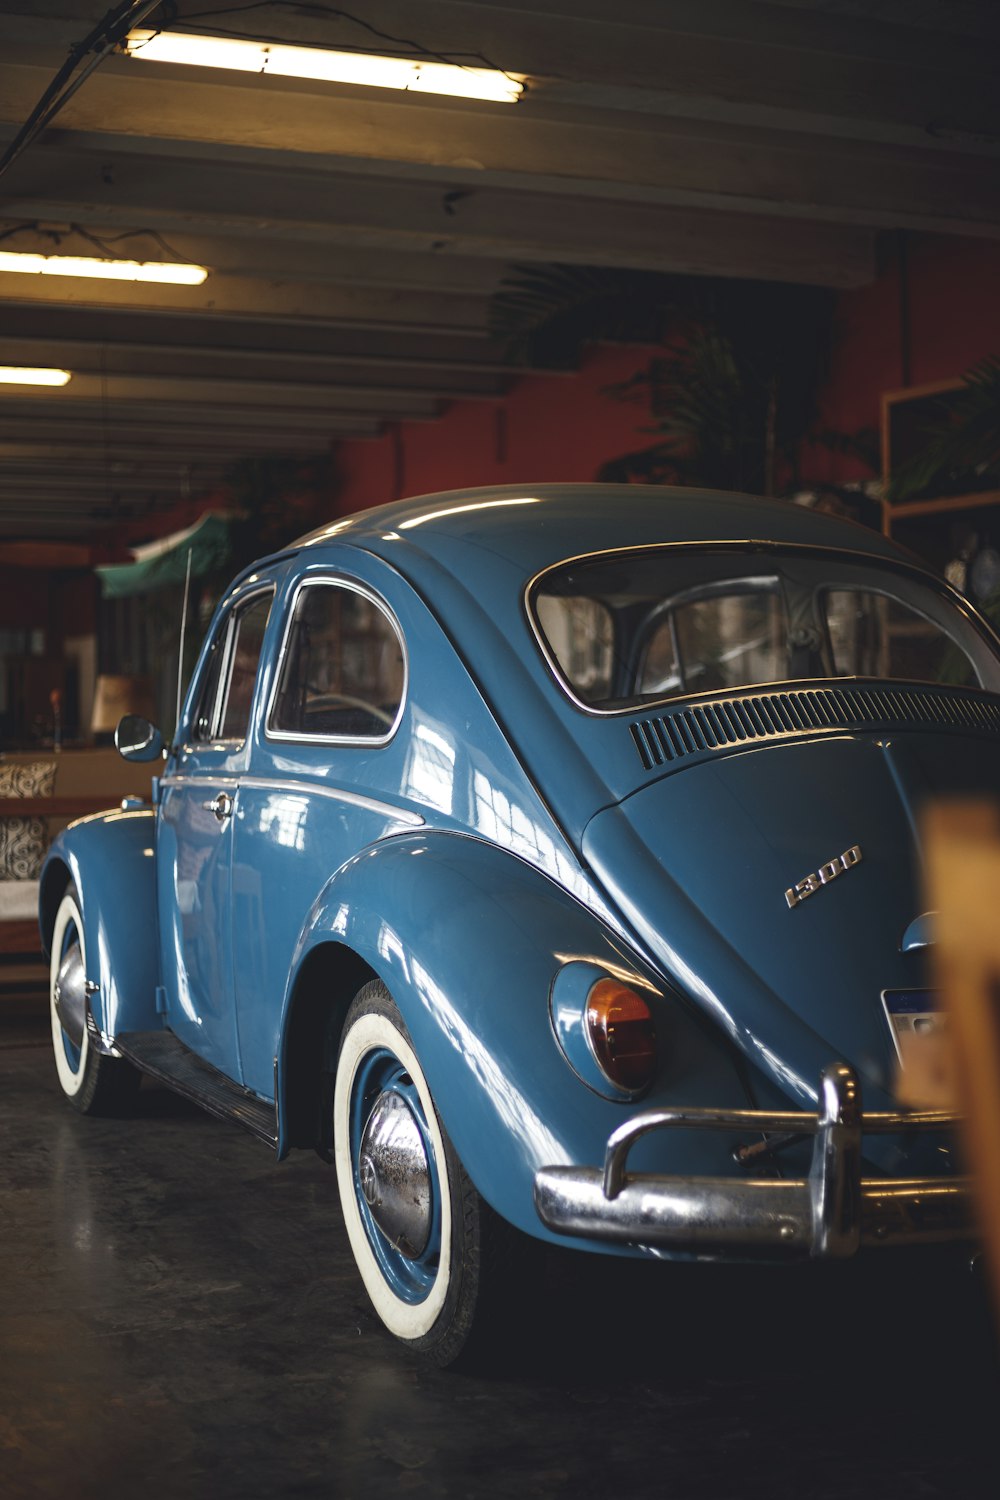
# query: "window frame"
915,573
224,641
878,593
719,588
303,737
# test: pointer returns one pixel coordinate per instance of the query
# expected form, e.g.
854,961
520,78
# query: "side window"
580,633
875,635
342,672
224,707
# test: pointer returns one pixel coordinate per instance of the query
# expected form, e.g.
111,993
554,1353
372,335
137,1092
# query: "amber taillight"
621,1032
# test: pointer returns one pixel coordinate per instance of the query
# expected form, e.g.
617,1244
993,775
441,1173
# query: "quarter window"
224,706
874,635
342,673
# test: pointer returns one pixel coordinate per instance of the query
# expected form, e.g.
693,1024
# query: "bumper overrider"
829,1214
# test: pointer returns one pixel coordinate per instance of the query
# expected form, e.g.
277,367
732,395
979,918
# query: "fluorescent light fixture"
174,274
244,56
24,375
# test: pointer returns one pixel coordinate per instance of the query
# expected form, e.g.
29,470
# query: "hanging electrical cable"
109,34
102,40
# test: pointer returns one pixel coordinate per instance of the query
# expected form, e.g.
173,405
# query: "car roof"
536,526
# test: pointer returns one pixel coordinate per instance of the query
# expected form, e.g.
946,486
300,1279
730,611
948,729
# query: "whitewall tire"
93,1082
425,1243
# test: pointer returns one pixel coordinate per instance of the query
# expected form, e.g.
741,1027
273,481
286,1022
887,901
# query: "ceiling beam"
276,396
642,157
692,56
119,414
25,418
190,332
117,359
358,307
271,255
61,450
520,221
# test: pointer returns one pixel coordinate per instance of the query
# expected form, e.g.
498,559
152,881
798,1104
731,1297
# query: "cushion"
23,841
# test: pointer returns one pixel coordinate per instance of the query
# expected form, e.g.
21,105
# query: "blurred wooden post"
963,878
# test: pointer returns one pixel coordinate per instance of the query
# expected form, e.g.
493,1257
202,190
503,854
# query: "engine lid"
701,865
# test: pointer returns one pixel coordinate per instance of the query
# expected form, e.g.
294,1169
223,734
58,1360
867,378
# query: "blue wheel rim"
72,1051
382,1072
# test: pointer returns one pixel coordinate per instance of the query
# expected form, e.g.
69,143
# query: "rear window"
629,628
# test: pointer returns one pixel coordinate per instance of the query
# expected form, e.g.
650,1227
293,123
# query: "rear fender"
468,939
110,858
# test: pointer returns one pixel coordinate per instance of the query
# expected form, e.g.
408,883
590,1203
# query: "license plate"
911,1013
919,1031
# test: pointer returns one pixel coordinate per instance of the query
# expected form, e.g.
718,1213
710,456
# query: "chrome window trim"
192,778
285,736
300,788
913,571
236,608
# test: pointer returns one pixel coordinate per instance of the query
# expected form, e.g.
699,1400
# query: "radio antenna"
180,650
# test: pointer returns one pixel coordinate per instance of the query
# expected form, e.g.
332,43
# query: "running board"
164,1058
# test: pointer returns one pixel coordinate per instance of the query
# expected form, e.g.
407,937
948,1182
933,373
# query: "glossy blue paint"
504,847
469,940
195,858
111,859
306,808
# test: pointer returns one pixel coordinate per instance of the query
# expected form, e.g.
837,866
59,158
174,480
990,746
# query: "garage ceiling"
355,235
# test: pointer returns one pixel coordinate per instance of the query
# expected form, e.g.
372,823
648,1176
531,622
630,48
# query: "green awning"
163,563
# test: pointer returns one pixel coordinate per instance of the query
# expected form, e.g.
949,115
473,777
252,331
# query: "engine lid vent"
724,722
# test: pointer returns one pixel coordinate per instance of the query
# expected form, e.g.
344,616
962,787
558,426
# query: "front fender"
468,939
110,858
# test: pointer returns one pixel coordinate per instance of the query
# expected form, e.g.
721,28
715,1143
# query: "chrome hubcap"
70,995
395,1175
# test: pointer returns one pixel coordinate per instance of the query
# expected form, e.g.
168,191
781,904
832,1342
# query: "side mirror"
137,739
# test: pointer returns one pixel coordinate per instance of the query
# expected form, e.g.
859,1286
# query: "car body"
530,851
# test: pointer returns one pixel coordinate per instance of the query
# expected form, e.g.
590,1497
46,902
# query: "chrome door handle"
222,806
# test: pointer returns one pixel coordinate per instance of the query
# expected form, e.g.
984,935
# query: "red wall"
565,427
952,307
548,427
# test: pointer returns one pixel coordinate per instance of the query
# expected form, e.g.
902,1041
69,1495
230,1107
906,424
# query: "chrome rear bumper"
829,1214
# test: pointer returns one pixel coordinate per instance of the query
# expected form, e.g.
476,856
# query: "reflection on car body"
472,857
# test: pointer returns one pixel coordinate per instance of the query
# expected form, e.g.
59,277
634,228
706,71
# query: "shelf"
937,507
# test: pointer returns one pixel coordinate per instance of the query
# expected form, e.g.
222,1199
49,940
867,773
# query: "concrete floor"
181,1318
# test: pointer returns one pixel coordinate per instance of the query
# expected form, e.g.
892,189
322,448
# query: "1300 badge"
823,875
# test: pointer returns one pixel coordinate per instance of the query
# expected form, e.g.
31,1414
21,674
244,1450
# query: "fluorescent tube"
25,375
244,56
174,274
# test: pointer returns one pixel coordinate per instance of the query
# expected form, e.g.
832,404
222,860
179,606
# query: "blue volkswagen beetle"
548,860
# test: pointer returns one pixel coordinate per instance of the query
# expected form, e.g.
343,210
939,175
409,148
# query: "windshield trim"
901,565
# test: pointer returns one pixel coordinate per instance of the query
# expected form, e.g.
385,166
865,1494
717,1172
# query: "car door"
198,801
319,788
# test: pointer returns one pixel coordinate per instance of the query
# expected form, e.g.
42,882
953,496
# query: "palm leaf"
962,452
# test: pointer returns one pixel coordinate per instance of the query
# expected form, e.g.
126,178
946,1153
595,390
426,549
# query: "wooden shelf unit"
904,413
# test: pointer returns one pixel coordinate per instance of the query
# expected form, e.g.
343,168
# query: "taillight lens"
620,1024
